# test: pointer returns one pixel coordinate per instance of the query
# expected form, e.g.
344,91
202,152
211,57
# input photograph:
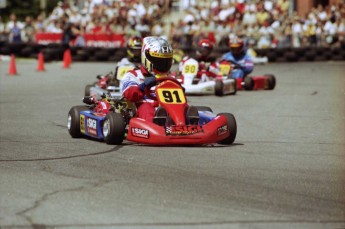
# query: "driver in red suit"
156,60
203,56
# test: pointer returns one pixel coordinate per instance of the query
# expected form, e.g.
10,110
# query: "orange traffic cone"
67,59
40,64
12,69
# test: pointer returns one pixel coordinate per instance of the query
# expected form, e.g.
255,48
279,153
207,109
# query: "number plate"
122,70
224,69
190,69
171,96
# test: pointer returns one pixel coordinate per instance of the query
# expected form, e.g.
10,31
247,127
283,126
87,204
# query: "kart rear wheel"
232,126
271,81
248,83
235,88
113,128
87,89
203,108
218,88
73,120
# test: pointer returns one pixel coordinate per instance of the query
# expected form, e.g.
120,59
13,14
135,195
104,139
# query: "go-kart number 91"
173,96
189,68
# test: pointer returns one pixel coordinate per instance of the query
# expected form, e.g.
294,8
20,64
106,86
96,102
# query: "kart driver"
239,57
132,60
134,45
156,60
205,59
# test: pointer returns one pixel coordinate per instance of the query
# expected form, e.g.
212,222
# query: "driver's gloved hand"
148,83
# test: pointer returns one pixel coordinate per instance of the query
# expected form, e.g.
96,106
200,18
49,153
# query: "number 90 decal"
171,96
190,68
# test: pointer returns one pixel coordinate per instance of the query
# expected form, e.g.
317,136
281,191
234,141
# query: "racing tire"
204,108
232,125
271,81
73,121
235,87
248,83
87,89
113,128
218,88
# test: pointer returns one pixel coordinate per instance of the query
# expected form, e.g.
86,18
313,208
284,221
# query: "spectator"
29,30
3,35
69,32
14,29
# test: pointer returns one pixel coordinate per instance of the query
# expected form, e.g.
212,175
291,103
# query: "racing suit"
243,64
132,89
129,64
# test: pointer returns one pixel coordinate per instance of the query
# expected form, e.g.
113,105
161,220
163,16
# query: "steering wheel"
147,91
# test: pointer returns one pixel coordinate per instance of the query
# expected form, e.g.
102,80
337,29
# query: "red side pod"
239,83
260,82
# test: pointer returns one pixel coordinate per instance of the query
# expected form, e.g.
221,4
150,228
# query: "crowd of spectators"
262,23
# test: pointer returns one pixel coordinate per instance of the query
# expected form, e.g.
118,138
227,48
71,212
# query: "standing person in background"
69,32
29,30
14,29
3,35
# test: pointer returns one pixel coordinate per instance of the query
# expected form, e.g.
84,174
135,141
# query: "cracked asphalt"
285,170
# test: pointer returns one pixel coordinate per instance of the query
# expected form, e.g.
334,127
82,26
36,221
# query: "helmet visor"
135,52
205,51
236,49
160,61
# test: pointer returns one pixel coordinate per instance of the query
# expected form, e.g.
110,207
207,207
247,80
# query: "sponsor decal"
140,133
222,130
183,130
82,123
91,125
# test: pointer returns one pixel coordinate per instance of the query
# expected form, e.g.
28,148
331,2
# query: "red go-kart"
261,82
175,122
180,123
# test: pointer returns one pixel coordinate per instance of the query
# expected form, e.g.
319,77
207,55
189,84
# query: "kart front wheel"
73,120
271,81
113,128
248,83
232,127
218,88
204,108
87,89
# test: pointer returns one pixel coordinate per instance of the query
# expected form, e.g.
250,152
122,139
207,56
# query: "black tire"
87,89
248,83
204,108
116,128
235,87
232,127
73,120
271,81
218,88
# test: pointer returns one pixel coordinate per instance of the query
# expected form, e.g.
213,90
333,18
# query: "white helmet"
156,55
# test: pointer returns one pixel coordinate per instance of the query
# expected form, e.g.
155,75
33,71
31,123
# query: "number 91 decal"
171,96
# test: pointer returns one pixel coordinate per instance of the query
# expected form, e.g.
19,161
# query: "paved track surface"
285,170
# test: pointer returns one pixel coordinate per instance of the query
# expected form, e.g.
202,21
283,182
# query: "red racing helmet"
205,47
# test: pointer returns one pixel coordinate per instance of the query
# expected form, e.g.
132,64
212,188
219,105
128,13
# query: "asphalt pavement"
286,168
